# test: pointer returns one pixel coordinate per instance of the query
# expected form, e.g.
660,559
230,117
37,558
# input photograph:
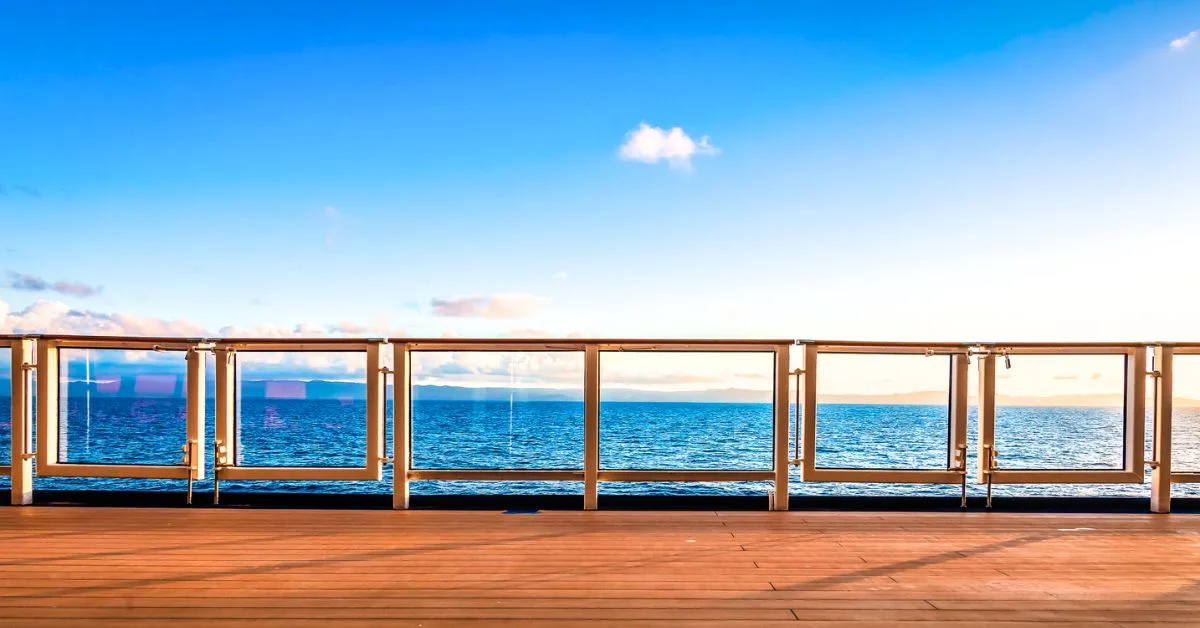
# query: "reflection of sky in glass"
5,408
286,390
154,384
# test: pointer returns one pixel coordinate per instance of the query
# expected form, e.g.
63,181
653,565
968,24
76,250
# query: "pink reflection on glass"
271,418
154,384
109,385
286,390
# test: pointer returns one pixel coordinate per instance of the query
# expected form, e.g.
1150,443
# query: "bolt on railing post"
401,423
22,423
1160,476
591,427
782,413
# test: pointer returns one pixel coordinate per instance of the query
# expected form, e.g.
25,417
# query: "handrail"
594,340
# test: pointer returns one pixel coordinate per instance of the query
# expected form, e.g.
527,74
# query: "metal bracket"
189,459
991,466
220,461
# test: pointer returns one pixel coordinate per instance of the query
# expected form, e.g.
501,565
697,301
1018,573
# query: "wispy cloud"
652,144
1185,41
33,283
495,306
22,190
560,275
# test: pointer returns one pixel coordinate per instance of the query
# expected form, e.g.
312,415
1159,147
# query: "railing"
393,358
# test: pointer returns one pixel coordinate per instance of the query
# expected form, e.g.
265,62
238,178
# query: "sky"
844,170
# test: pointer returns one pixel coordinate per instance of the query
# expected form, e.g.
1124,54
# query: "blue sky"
879,170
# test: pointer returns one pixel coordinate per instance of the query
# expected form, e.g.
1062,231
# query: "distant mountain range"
172,387
168,388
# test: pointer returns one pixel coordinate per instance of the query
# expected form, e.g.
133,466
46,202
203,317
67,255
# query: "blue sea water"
633,435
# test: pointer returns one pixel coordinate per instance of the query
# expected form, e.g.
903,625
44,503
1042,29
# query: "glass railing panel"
1185,426
497,409
883,411
122,406
686,410
1060,412
5,405
301,408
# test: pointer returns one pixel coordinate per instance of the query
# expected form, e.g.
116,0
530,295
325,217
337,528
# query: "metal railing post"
959,365
591,427
808,462
781,433
376,380
986,401
195,412
47,403
22,423
1135,413
401,423
225,431
1160,476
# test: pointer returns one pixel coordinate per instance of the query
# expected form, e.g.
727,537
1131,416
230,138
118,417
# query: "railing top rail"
594,340
603,341
987,344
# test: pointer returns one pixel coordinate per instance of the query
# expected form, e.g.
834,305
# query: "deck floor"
63,566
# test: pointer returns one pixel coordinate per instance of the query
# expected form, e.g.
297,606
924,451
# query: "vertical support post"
783,379
809,436
401,423
195,412
376,380
1135,412
958,411
225,431
591,427
1160,478
22,425
986,401
957,456
47,403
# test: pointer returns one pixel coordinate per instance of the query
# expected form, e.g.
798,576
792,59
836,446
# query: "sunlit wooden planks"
139,567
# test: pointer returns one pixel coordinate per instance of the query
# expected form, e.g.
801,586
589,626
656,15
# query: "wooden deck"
68,567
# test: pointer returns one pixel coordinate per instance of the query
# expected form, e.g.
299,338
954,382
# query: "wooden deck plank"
63,566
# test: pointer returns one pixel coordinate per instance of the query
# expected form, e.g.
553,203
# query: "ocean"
633,435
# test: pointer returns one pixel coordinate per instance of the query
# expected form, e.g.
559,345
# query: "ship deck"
75,566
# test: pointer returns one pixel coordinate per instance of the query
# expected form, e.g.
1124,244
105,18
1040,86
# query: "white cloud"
56,317
1185,41
652,144
560,275
495,306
